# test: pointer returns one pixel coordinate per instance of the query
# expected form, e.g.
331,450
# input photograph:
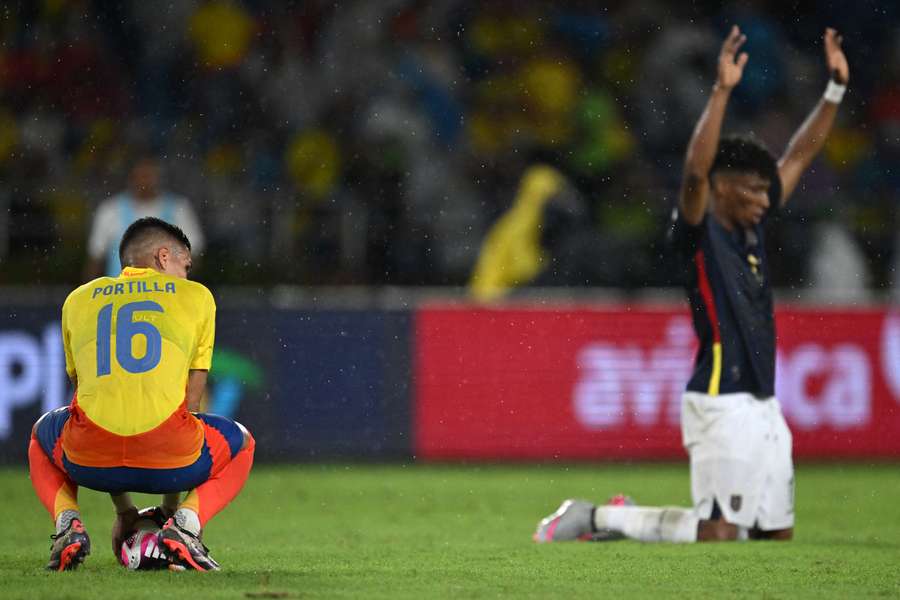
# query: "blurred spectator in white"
143,198
839,270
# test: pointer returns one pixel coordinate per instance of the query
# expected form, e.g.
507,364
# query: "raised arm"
704,142
810,137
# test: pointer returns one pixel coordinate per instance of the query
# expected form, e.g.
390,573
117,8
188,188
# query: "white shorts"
740,449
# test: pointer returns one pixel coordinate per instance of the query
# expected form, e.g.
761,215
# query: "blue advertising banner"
308,384
32,375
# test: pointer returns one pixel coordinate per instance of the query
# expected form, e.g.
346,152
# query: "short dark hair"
747,154
143,229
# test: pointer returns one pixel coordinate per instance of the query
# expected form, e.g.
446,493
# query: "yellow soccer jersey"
130,341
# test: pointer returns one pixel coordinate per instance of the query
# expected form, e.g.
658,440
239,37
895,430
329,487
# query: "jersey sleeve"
206,335
683,237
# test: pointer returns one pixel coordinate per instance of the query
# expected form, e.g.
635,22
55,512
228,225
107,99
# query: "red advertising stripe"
606,384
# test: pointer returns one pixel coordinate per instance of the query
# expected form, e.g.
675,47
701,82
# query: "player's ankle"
65,518
188,520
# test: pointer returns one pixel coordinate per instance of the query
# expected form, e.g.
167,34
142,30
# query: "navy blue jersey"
726,276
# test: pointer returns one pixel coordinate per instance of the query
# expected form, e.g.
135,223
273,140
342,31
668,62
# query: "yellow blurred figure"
511,254
314,163
846,147
222,32
551,85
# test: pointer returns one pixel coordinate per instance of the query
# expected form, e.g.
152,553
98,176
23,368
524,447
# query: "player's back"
131,341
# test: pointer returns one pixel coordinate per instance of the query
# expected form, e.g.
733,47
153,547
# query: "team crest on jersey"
755,267
736,501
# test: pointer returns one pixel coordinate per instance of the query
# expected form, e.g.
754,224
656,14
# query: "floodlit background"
374,143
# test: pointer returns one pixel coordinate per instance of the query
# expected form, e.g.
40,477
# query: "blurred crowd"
357,142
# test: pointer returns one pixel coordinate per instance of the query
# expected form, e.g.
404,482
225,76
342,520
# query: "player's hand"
122,527
834,57
731,64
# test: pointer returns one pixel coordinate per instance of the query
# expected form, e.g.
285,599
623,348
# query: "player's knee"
34,428
719,530
249,442
725,531
780,535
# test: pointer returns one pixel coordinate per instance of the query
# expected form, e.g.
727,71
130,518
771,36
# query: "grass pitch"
348,531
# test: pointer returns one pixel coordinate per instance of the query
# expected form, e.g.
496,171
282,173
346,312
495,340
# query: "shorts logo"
735,503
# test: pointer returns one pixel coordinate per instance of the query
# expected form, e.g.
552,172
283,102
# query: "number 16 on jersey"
126,329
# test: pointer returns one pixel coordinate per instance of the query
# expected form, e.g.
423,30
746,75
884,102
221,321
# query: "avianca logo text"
626,385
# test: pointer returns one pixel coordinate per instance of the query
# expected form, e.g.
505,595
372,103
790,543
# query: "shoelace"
199,541
190,535
56,536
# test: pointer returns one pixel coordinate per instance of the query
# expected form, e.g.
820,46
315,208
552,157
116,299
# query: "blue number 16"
126,329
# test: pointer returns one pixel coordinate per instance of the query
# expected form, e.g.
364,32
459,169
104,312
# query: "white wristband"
834,92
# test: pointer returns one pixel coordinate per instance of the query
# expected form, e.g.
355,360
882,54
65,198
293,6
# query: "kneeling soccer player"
742,476
138,348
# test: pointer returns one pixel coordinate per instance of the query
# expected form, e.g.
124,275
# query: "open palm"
731,65
834,57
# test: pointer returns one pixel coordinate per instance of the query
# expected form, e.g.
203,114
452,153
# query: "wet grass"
395,531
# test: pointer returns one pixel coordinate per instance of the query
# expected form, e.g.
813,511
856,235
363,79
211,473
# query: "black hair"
145,227
747,154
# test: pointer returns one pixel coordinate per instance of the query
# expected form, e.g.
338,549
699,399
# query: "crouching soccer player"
742,476
138,348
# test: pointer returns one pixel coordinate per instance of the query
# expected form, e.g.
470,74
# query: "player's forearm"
807,142
701,150
170,502
122,502
195,387
700,155
810,137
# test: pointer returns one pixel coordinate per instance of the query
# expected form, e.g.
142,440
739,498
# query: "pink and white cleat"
573,520
570,522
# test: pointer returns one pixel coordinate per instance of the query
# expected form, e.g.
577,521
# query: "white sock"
188,520
64,518
649,524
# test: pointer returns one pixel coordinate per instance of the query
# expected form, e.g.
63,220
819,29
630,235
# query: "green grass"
362,531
